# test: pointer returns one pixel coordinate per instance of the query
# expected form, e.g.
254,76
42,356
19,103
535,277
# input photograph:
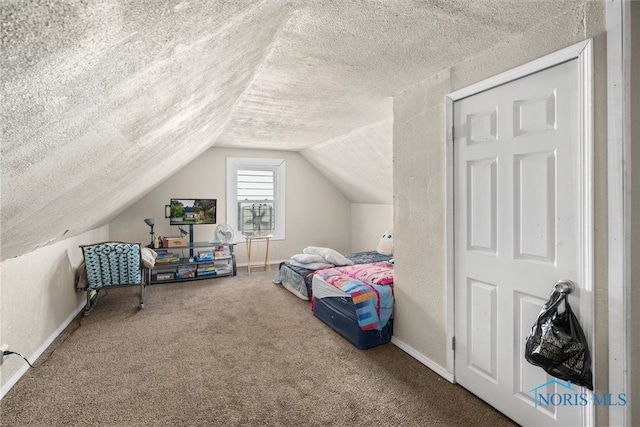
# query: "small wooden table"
249,241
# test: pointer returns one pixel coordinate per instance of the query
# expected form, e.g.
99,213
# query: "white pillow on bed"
330,255
308,258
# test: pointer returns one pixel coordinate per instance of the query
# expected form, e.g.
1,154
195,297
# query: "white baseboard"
438,369
15,377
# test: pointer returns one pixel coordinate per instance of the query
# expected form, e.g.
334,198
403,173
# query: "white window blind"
255,185
255,201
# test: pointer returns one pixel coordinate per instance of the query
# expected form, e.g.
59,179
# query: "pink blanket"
378,273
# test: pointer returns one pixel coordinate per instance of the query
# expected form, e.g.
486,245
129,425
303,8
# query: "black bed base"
340,315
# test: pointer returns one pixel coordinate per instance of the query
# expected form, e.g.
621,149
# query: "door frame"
619,200
583,52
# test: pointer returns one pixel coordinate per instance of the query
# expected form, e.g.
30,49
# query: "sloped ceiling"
103,100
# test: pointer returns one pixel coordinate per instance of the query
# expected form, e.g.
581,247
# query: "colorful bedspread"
371,290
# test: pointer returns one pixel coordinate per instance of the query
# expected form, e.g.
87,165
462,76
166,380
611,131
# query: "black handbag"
557,343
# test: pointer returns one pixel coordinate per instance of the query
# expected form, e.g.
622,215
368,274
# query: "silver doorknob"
565,286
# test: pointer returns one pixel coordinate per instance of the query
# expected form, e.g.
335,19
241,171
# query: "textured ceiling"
103,100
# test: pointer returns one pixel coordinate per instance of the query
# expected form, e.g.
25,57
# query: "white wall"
359,163
317,213
38,299
368,223
420,177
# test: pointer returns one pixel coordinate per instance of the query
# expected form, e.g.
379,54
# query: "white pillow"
331,256
308,258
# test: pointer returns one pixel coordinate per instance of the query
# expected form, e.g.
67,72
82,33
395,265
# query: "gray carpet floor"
228,351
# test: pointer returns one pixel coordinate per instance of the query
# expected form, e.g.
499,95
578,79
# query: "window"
255,196
256,201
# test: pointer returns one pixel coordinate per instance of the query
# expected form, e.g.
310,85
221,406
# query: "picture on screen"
193,211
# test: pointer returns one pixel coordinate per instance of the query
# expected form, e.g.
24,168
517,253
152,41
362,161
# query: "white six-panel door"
516,159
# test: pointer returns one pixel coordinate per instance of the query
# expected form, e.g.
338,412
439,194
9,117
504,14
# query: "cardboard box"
174,242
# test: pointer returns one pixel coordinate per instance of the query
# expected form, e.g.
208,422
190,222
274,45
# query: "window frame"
278,166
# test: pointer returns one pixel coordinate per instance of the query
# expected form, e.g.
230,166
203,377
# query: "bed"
298,280
356,302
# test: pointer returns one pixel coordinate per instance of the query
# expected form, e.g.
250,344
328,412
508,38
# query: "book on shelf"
186,271
206,273
204,256
168,259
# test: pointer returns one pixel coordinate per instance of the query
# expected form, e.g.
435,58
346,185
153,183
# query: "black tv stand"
183,263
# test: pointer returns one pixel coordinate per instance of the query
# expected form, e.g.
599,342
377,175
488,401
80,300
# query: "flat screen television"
192,211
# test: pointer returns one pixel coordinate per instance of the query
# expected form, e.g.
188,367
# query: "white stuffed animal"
385,246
